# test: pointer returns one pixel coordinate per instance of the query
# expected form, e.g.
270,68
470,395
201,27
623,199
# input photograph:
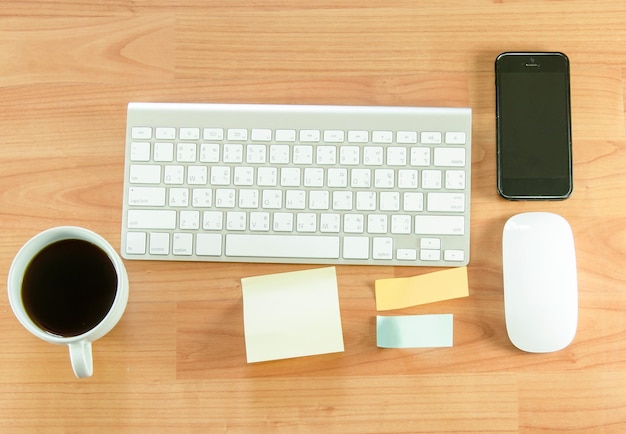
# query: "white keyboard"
297,184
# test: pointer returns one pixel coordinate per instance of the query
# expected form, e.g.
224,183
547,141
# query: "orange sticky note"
398,293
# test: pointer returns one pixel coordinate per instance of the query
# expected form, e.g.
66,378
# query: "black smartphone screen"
534,148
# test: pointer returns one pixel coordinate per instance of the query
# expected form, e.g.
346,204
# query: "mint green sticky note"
414,331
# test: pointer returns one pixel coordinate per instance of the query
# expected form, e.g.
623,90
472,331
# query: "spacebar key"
282,246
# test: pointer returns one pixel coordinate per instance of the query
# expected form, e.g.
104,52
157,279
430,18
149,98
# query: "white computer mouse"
540,282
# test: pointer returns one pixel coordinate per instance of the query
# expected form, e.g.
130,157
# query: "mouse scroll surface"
540,282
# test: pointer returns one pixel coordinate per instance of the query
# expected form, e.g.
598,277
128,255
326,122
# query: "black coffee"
69,287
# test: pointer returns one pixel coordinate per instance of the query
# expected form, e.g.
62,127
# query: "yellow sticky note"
404,292
291,314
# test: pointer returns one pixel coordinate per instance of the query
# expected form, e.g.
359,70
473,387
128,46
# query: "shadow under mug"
45,287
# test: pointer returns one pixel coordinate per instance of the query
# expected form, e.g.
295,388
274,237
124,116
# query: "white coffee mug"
67,285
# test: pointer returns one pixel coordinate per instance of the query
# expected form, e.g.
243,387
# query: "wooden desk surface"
176,362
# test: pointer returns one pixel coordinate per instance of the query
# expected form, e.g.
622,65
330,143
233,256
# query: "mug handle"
81,358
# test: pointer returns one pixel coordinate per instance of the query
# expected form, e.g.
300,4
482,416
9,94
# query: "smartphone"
533,124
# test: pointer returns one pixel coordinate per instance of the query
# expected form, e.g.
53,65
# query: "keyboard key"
189,220
334,136
366,201
197,175
233,153
189,133
140,151
295,199
319,200
430,137
306,222
330,223
377,223
342,200
382,248
186,152
248,198
406,254
406,137
290,176
450,157
309,135
220,175
283,222
202,197
303,154
326,155
389,201
213,134
361,178
407,178
182,244
384,178
279,154
165,133
212,220
455,179
358,136
285,135
430,255
209,153
260,221
174,175
420,156
225,197
430,243
396,156
272,199
454,255
349,155
356,248
445,202
313,177
146,196
282,246
145,174
136,243
236,221
141,133
413,202
237,134
455,138
159,243
261,135
382,137
431,179
353,223
401,224
178,197
244,175
439,225
208,244
337,178
267,176
373,156
256,154
151,219
163,152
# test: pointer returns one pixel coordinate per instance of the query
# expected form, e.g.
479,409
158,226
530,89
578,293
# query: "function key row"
305,136
300,154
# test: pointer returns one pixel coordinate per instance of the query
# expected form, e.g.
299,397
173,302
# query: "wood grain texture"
176,361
